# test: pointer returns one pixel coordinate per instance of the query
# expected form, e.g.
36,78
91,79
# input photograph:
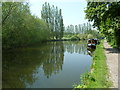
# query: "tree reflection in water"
76,47
20,65
54,61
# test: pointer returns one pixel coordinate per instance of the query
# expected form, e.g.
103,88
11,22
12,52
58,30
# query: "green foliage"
106,18
19,27
83,36
90,36
75,37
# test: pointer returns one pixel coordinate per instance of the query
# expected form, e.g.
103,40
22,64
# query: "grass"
97,78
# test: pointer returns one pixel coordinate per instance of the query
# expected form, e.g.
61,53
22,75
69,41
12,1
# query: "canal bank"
98,76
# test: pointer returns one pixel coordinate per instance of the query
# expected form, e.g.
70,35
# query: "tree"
20,28
76,29
54,19
106,17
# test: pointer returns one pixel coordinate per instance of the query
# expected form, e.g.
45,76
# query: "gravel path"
112,62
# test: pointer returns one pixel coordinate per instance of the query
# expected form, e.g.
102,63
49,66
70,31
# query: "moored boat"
92,43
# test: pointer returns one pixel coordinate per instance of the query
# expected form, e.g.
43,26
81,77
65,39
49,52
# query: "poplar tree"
53,16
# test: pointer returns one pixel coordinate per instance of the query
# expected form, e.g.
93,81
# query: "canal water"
51,65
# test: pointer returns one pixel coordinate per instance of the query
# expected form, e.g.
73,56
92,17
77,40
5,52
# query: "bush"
90,36
75,37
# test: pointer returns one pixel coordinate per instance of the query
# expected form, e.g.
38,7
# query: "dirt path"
112,62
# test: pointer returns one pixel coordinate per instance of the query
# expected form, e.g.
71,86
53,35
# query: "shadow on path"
112,50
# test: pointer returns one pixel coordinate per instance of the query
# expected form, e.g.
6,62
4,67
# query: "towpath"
112,62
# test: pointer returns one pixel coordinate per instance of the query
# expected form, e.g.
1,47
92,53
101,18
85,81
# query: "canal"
50,65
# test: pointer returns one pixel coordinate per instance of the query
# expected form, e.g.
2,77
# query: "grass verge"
98,76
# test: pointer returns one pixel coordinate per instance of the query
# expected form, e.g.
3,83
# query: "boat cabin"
92,43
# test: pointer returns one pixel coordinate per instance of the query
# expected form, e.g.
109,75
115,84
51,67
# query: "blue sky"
72,10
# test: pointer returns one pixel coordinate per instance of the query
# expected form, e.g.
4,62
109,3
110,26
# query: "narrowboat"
92,43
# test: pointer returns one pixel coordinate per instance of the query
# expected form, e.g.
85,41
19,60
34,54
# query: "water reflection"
54,59
20,66
76,47
90,51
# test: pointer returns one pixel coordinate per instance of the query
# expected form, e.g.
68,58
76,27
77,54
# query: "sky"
72,10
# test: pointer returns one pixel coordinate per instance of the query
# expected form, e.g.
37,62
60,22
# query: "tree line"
106,18
81,31
78,29
21,28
